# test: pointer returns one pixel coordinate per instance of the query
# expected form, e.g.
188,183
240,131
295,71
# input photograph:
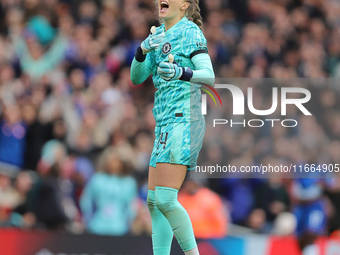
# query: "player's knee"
164,205
150,201
166,199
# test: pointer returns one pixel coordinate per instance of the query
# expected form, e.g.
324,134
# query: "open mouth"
164,5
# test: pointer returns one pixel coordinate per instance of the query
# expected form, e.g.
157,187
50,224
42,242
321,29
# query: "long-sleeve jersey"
177,100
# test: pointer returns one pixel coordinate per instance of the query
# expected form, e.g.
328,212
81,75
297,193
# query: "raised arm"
141,66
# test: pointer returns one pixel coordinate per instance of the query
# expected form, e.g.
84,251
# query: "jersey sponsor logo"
200,44
166,48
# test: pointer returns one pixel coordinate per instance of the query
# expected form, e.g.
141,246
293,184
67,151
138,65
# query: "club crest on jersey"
166,48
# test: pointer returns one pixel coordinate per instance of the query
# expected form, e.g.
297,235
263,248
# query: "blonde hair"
108,154
193,12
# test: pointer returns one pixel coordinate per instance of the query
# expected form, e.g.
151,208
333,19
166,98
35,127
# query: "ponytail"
193,12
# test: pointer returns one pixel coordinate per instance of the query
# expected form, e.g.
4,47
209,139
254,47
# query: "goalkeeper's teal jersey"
177,101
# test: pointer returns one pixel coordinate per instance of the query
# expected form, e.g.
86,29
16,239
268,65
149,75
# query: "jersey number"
162,142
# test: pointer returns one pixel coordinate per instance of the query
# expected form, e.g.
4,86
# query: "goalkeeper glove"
172,71
152,41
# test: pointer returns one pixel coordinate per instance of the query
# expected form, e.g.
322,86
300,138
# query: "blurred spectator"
285,224
23,185
310,209
82,173
142,223
53,152
9,198
23,215
37,135
333,195
239,193
12,136
35,59
108,200
206,210
271,199
49,208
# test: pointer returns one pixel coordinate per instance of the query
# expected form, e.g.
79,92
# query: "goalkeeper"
180,126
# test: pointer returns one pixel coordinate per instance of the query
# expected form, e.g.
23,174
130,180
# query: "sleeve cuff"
187,74
197,52
139,56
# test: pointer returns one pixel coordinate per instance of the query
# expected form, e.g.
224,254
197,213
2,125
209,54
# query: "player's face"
169,9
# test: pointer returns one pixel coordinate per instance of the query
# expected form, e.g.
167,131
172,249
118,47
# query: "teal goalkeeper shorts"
178,143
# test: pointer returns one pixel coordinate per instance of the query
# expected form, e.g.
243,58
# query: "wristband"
186,74
139,56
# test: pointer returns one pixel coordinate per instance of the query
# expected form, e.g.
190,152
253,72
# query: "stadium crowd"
70,115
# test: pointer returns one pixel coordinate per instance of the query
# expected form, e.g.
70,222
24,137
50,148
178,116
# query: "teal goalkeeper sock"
167,203
161,230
